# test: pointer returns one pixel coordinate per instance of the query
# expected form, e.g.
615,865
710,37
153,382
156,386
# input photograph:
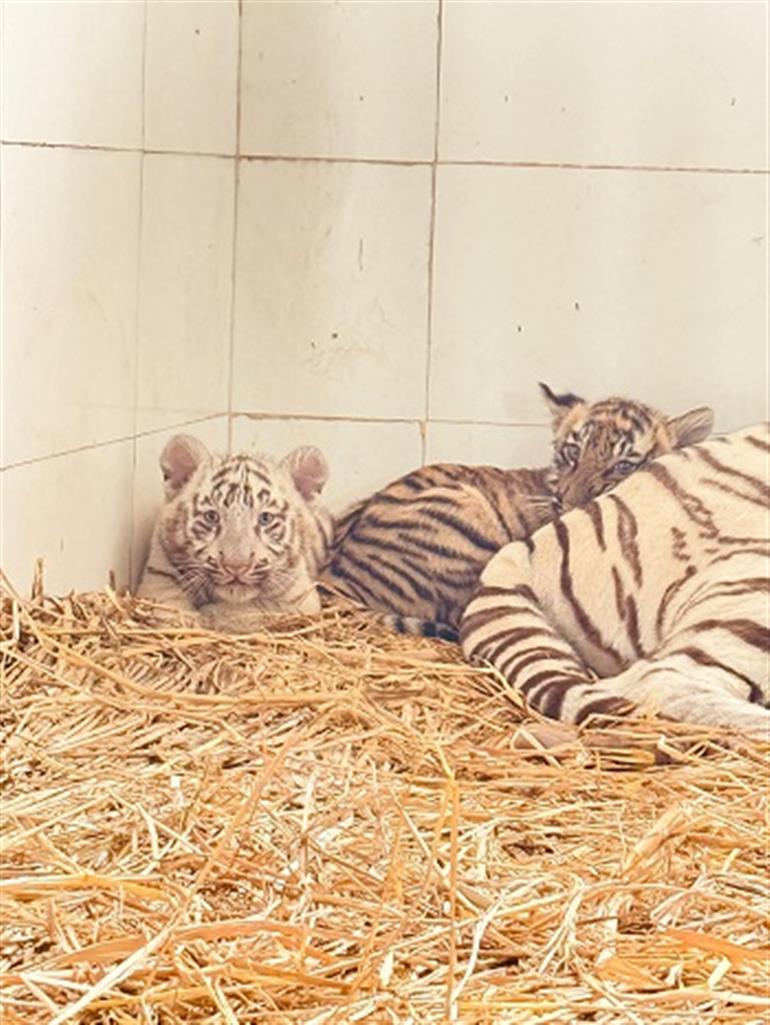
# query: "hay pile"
327,823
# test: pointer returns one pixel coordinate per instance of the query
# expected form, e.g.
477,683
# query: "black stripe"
758,443
607,706
505,527
628,530
519,591
594,512
371,571
475,620
550,698
754,482
513,636
519,661
584,621
702,658
464,529
754,634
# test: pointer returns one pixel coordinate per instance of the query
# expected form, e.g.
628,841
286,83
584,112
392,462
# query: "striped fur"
655,597
413,552
240,532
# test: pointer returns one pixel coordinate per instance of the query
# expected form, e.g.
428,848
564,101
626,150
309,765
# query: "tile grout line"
234,246
432,234
554,165
432,230
280,418
132,555
110,442
342,418
767,219
2,306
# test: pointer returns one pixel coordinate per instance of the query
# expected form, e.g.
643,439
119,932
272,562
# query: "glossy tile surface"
70,224
345,79
74,512
601,283
620,83
72,72
486,445
331,289
186,286
191,76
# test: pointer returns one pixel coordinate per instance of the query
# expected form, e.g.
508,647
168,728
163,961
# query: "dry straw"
327,823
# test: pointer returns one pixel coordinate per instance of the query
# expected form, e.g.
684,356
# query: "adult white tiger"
238,535
660,588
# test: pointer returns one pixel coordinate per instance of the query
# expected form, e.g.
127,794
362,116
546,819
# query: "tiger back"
242,531
413,552
654,597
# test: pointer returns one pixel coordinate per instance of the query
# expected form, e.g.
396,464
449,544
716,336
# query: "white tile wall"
186,287
70,236
620,83
75,511
72,72
191,76
651,285
148,482
343,79
491,444
361,456
332,289
382,300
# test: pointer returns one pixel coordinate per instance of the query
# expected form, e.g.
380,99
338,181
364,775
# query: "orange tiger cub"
655,597
413,552
238,534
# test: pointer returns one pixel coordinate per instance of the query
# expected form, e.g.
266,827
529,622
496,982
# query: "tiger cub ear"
559,405
180,458
309,470
691,427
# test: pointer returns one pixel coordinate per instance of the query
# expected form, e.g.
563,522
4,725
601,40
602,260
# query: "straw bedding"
327,823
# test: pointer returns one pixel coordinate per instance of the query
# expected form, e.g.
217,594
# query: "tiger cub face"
597,444
237,527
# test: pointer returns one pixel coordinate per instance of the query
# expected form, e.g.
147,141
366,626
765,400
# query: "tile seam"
563,165
138,299
432,236
342,418
234,243
109,443
249,415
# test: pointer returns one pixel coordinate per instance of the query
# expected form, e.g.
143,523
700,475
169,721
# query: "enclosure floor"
328,823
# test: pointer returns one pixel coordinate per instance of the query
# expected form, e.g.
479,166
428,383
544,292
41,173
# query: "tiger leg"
505,626
676,689
713,664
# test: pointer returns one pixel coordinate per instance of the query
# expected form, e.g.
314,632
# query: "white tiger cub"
660,588
238,534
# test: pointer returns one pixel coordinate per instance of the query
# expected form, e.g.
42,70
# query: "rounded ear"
309,470
559,405
180,458
691,427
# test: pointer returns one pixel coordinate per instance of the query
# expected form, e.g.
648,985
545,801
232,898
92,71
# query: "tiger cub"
660,589
414,551
238,534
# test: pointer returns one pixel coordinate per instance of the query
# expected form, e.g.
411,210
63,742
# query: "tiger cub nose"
236,566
